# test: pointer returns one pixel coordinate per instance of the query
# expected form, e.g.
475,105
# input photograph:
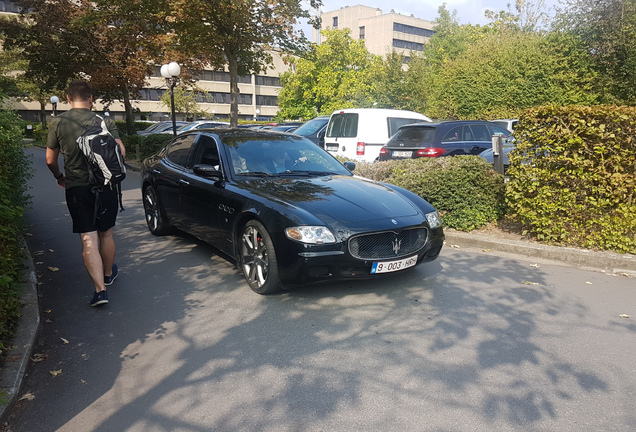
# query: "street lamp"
171,73
257,114
54,101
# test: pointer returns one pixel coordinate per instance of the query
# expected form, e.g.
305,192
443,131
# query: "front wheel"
156,221
258,259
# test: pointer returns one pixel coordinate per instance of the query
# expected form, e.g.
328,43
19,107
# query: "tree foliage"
333,75
237,33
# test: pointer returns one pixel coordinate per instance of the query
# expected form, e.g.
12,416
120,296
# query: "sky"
468,11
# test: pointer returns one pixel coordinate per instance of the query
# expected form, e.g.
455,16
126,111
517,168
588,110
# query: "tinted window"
343,126
480,133
180,149
394,123
311,127
207,152
413,136
455,134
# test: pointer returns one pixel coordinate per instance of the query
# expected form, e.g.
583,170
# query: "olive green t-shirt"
64,130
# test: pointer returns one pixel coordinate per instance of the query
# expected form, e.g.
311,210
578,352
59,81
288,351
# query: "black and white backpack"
103,156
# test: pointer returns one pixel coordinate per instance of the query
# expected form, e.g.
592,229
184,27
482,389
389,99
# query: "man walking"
98,243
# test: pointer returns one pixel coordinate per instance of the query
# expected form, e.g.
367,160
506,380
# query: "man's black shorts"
81,205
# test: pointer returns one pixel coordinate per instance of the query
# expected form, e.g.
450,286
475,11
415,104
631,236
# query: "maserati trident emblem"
396,245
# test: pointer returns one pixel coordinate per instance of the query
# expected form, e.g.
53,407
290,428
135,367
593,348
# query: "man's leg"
93,259
107,250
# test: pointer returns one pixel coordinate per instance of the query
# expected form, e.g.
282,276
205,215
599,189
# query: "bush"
142,146
14,173
573,176
465,190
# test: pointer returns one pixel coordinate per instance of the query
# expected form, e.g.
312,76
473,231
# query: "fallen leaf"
28,234
589,283
47,311
455,246
624,316
55,372
39,263
85,356
27,397
54,269
38,253
51,250
534,265
48,321
64,340
37,358
624,274
529,283
486,250
83,382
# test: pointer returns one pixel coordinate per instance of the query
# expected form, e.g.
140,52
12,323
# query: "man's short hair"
79,91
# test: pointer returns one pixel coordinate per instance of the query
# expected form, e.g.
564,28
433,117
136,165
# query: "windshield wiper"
307,173
255,174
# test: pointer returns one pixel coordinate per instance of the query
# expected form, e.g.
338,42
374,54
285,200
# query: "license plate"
391,266
332,148
402,154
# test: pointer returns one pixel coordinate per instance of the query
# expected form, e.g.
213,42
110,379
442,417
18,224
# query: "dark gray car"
450,138
314,130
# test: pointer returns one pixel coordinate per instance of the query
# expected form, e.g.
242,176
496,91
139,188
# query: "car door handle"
184,182
156,171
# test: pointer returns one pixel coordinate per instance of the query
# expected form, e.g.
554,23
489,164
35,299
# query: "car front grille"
388,244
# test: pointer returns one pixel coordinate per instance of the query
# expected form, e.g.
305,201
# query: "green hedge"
465,190
15,170
573,176
141,146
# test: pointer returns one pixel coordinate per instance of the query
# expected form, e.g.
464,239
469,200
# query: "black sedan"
284,209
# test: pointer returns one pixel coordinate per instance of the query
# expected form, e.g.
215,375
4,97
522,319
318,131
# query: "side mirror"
207,171
351,166
321,134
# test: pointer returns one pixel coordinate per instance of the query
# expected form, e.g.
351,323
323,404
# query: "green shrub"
14,173
573,176
142,146
465,190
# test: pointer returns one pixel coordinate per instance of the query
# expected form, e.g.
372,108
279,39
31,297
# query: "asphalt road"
470,342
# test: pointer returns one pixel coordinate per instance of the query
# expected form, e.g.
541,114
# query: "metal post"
497,153
174,119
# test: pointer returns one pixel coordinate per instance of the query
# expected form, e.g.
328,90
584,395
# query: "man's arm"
121,146
52,156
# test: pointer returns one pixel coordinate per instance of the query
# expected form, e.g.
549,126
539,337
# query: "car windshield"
311,127
277,155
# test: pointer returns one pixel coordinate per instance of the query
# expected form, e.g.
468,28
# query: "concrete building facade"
381,32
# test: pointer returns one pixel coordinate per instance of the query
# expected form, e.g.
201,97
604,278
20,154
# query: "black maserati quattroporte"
284,209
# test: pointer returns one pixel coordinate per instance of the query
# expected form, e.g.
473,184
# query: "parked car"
314,221
286,127
449,138
165,126
314,130
508,124
360,133
488,155
199,124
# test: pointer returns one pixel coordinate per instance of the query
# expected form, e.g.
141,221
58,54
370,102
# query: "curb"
17,358
586,259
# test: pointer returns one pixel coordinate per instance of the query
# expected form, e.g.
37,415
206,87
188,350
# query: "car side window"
207,152
480,133
179,150
455,134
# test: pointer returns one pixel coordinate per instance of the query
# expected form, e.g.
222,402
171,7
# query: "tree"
335,74
607,30
237,33
185,102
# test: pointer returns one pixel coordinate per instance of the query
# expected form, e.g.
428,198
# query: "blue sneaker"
99,298
108,280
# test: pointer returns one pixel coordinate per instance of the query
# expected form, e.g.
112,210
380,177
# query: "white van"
360,133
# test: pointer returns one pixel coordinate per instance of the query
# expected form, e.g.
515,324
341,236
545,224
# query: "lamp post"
171,73
54,101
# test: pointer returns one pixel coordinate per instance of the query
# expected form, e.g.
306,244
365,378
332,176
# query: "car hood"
342,198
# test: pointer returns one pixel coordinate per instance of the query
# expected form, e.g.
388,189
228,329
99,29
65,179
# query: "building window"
413,46
7,6
266,100
362,32
417,31
335,22
264,80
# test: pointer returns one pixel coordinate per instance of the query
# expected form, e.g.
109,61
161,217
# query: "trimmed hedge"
573,176
142,146
15,170
466,190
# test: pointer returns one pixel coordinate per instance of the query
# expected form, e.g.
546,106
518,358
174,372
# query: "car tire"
258,259
155,219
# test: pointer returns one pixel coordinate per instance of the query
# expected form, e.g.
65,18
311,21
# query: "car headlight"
310,234
434,220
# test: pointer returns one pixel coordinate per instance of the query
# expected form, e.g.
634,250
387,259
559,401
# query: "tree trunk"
43,114
234,90
130,119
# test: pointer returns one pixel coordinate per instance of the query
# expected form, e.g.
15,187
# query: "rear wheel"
258,259
156,221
